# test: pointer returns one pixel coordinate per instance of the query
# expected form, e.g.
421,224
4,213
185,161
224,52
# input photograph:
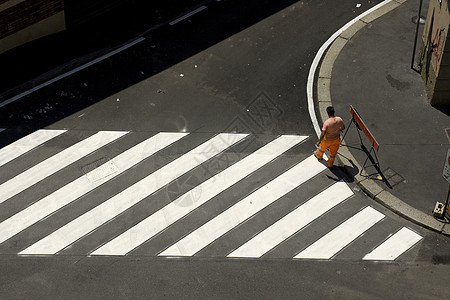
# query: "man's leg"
320,150
333,147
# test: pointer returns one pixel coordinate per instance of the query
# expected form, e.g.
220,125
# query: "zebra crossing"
27,202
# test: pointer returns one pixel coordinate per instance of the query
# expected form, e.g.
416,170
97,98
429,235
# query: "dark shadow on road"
166,46
372,170
340,173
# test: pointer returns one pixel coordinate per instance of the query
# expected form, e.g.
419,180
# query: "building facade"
22,21
434,59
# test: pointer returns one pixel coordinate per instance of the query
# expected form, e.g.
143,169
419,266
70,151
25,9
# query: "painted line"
394,246
53,80
244,209
2,129
26,144
337,239
187,15
317,59
81,186
114,206
57,162
293,222
174,211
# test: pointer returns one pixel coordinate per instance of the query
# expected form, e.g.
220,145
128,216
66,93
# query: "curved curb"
368,185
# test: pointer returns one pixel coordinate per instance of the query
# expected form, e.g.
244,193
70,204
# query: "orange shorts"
332,146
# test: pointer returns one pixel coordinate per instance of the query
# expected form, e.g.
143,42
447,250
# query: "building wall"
22,21
82,11
435,53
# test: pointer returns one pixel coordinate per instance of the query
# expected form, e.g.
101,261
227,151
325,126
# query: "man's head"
330,111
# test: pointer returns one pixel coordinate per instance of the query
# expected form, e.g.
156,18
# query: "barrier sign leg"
361,126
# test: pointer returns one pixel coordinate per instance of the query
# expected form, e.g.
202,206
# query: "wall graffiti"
438,43
435,35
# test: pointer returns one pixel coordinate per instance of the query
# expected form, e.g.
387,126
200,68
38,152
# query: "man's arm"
343,125
322,135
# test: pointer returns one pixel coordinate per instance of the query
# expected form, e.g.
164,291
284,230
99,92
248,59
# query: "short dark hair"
330,110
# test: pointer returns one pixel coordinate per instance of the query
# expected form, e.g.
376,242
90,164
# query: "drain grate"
99,169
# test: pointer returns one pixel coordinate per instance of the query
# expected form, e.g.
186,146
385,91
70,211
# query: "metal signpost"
439,209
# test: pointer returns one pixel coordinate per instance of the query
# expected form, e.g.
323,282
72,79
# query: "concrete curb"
368,185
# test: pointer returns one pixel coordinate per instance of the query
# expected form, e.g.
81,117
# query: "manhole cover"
264,111
99,169
392,177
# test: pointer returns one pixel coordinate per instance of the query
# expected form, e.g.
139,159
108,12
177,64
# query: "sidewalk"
370,70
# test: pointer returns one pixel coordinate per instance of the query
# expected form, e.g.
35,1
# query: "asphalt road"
237,67
229,55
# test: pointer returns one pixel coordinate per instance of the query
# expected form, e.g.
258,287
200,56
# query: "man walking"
330,137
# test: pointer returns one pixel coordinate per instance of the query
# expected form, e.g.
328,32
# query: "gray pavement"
73,272
369,67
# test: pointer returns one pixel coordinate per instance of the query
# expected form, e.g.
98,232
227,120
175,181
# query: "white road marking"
172,212
395,245
187,15
38,87
245,208
55,163
27,143
337,239
111,208
83,185
318,58
294,221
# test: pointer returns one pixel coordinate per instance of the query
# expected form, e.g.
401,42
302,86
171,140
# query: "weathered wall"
22,21
435,53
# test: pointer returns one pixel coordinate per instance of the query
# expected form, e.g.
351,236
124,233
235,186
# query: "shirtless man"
330,137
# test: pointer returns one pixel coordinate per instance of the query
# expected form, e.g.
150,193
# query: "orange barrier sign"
446,172
364,128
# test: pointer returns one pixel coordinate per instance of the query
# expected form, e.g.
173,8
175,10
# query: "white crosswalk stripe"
57,162
215,185
294,221
247,207
83,185
341,236
27,143
101,214
235,224
394,246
